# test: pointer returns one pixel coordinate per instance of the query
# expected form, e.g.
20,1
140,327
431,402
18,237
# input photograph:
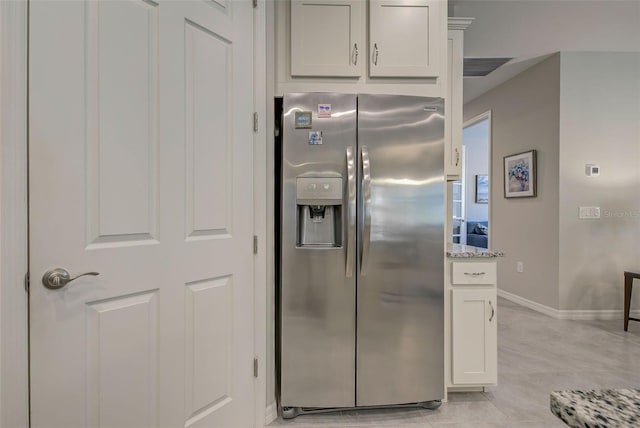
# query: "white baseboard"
602,314
538,307
454,389
568,314
271,413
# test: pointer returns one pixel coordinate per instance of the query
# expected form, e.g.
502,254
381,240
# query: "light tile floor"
536,355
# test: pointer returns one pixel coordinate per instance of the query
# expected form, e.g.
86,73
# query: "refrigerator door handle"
366,207
351,211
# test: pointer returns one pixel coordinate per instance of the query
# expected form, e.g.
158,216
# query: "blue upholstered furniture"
475,236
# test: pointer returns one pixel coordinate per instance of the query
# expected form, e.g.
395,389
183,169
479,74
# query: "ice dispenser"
319,205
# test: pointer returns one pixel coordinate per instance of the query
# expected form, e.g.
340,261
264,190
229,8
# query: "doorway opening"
475,181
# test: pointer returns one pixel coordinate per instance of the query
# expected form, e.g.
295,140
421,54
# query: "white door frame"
14,399
271,412
260,186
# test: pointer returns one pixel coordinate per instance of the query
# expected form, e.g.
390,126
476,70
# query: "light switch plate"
589,212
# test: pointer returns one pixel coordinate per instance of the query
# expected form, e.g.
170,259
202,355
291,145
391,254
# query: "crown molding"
459,23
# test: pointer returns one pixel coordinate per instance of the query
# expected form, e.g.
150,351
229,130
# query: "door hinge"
255,244
255,121
255,367
27,282
255,3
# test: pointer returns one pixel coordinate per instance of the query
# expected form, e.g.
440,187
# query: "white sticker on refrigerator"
324,110
315,138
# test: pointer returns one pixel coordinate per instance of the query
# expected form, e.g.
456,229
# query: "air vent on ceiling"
478,67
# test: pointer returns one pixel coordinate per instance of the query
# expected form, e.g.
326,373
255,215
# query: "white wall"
475,138
525,115
600,124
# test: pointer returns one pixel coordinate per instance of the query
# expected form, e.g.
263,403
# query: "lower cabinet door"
474,336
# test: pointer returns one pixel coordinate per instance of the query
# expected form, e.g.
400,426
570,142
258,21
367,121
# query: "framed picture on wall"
482,189
520,175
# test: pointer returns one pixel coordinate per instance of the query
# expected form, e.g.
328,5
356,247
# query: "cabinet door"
405,38
326,37
458,212
474,336
453,106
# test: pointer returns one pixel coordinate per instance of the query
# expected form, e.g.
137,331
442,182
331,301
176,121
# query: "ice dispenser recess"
319,211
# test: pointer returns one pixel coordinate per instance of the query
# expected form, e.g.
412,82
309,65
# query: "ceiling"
532,30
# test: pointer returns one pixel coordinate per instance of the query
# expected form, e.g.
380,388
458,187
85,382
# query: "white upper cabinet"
453,118
404,38
453,106
328,46
327,38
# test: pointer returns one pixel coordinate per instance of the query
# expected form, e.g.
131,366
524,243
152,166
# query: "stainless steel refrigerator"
362,247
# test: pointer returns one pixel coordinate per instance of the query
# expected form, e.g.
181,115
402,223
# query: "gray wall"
475,138
525,115
575,108
600,124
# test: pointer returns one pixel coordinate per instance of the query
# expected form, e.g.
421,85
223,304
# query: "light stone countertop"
597,408
468,252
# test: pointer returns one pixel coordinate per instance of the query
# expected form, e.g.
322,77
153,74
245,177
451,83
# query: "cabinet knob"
354,55
375,54
457,156
493,311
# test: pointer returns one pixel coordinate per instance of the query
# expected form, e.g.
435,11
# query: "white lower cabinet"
474,336
472,321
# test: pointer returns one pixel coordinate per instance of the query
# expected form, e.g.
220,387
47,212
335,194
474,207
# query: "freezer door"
400,319
317,294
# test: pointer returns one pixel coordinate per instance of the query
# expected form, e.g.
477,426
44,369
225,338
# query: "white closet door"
140,169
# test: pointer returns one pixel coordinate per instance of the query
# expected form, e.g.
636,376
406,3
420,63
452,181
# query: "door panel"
208,107
122,120
208,343
140,169
400,341
122,331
